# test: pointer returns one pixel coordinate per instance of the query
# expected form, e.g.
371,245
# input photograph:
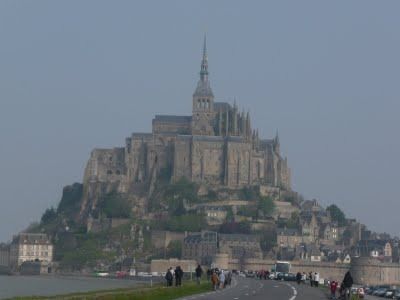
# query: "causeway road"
254,289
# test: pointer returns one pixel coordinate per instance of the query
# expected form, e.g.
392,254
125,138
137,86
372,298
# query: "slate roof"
222,106
287,231
31,238
239,237
203,89
172,119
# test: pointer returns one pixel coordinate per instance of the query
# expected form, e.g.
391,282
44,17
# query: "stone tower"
203,101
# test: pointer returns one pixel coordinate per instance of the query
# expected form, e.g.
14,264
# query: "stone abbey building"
216,145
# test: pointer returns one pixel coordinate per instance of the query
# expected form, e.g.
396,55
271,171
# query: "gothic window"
109,172
110,158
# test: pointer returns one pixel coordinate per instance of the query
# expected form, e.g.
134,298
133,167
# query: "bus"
281,267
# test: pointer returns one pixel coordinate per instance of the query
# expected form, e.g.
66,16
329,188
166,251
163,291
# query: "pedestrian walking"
178,276
169,277
222,279
333,287
311,277
199,272
316,279
298,277
347,284
214,280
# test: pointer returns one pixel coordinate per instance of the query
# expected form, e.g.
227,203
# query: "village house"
239,246
201,247
30,247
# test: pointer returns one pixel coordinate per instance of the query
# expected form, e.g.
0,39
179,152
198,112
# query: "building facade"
201,247
30,247
239,246
215,145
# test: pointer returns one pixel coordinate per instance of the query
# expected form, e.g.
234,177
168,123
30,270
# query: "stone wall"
370,271
162,265
331,271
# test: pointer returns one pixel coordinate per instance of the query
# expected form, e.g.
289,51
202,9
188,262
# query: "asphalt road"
254,289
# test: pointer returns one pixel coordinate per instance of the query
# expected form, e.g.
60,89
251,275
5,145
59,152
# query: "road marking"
294,291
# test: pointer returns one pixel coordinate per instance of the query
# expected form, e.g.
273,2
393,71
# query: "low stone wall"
365,271
162,265
370,271
330,271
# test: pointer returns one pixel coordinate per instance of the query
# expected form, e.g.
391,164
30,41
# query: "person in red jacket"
334,285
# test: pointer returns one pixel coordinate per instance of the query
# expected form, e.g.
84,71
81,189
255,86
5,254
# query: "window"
109,172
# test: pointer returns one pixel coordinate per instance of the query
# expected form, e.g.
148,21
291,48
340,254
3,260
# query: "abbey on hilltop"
216,146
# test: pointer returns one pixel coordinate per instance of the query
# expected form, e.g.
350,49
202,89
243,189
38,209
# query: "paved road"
253,289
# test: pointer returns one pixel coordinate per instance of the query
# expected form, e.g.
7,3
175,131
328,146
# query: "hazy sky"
75,75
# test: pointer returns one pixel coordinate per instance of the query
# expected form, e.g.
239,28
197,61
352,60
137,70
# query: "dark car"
397,295
390,293
289,277
280,276
250,274
380,292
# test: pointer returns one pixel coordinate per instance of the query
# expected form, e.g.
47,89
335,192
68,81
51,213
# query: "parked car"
359,291
397,295
380,292
250,274
289,277
390,293
279,276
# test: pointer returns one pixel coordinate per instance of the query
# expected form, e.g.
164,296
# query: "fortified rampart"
365,271
370,271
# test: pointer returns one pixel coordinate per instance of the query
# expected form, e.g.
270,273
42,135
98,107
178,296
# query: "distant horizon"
325,75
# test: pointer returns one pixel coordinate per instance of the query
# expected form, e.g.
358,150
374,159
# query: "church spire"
203,88
204,62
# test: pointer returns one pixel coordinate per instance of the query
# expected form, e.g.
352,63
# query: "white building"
30,247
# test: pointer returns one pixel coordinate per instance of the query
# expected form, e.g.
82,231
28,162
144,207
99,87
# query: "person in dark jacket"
169,277
199,272
298,277
347,284
178,276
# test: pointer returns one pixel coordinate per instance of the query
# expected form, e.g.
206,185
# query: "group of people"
219,278
263,274
345,287
177,274
301,277
314,278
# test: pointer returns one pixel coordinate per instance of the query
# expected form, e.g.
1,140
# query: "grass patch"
157,292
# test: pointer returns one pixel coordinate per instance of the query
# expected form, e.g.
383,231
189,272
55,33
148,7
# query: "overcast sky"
75,75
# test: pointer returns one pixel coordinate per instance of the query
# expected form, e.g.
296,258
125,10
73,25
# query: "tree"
229,215
49,216
337,214
114,205
268,240
235,227
174,249
71,199
266,205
